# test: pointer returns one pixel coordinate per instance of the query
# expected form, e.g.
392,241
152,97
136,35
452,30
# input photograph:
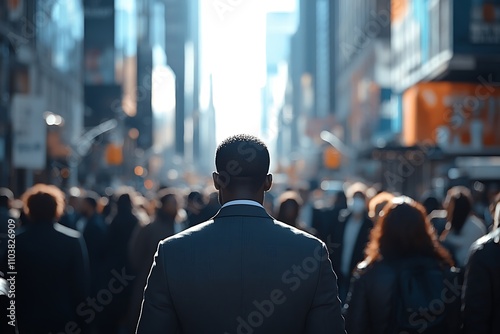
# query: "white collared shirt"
242,202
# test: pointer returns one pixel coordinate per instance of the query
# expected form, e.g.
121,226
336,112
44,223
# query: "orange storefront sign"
455,114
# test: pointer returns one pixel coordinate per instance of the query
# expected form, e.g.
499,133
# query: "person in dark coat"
481,297
349,239
72,211
326,219
122,226
289,208
51,265
195,204
243,271
94,230
403,238
144,243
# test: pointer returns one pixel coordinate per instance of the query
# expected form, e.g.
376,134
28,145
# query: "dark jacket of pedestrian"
481,302
403,241
51,267
337,247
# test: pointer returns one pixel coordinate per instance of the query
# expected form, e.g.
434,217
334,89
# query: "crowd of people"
83,259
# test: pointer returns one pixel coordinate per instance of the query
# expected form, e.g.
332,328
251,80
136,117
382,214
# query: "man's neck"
246,197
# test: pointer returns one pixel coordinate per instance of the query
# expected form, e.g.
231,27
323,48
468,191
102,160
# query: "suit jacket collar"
241,210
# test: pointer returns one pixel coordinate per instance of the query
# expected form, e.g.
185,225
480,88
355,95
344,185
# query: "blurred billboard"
452,115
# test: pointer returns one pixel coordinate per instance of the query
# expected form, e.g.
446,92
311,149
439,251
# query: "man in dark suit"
242,271
349,237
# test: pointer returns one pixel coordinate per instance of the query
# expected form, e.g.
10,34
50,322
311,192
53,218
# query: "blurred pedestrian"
327,219
462,228
481,297
121,228
212,207
289,204
195,205
51,265
243,272
437,216
405,274
350,237
377,203
306,208
72,211
269,199
144,243
93,228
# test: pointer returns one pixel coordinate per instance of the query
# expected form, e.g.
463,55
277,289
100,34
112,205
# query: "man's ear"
215,177
268,182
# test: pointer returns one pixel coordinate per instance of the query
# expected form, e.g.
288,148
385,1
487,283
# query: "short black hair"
164,195
242,158
92,198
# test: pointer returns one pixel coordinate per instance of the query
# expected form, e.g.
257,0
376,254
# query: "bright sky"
233,46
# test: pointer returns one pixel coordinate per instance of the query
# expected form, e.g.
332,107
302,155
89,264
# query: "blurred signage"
30,132
427,34
452,115
421,40
476,26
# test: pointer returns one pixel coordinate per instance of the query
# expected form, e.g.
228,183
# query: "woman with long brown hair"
401,285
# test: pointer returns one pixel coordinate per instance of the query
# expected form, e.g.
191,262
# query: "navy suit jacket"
241,272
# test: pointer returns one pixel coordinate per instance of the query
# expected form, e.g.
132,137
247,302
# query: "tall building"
280,26
308,107
40,79
362,74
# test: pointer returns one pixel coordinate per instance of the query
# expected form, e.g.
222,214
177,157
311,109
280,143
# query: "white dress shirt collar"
242,202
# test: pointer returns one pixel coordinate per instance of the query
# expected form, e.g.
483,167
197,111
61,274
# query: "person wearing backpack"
407,282
481,297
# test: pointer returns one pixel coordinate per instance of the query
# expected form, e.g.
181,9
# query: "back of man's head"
242,159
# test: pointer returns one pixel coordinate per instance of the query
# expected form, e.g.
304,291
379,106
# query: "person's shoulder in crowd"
489,241
66,231
477,224
391,267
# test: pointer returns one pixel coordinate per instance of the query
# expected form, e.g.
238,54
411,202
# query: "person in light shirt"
462,228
